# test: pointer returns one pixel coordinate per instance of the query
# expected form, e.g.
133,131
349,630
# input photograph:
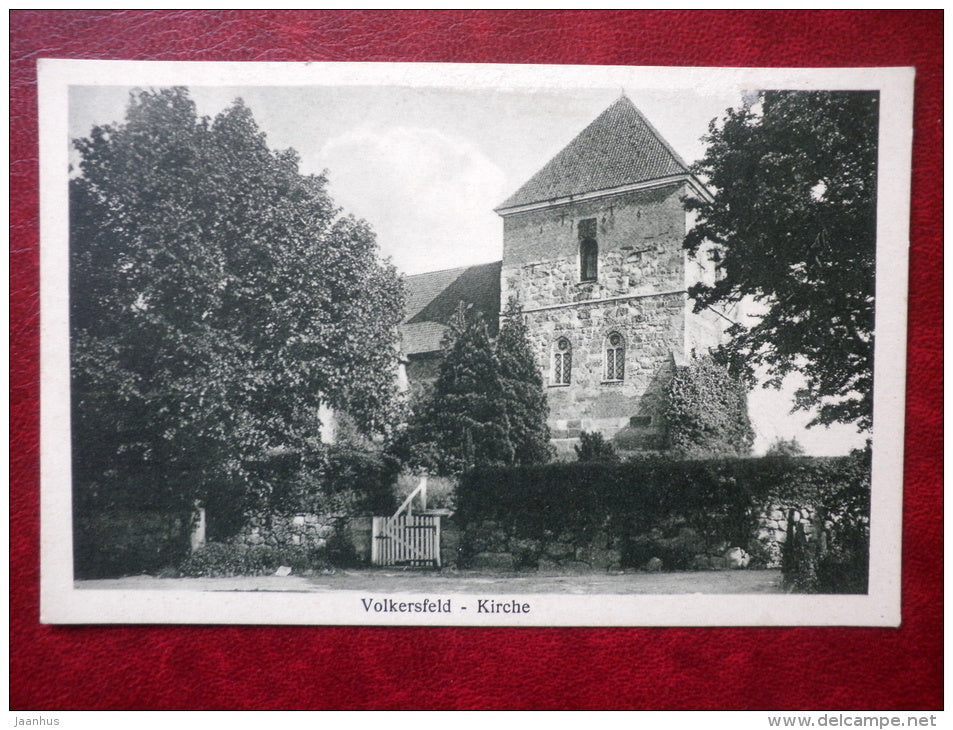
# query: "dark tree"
793,228
216,295
525,398
594,447
466,417
487,405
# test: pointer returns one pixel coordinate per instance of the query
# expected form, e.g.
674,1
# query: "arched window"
562,362
588,260
615,357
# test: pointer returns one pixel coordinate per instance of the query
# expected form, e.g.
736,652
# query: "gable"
619,148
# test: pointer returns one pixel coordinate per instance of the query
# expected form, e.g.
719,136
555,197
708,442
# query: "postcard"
461,344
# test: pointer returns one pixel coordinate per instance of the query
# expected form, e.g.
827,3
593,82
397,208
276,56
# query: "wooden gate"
407,538
412,540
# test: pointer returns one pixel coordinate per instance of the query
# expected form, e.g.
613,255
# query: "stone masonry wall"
310,530
639,293
650,327
640,238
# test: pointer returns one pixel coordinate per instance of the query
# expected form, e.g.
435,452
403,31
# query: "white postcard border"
62,602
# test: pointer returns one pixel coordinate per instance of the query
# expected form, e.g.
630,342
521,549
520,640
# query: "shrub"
348,481
707,412
594,447
837,559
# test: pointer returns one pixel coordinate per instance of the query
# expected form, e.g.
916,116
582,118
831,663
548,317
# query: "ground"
423,582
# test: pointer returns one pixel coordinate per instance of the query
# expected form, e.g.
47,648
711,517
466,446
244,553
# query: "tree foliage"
465,421
785,447
487,405
594,447
707,412
527,409
793,228
216,294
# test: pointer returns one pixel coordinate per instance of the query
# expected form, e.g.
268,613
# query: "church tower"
592,249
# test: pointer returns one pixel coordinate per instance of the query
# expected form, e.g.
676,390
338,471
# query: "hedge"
720,500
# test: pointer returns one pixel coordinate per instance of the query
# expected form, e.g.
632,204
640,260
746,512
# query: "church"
592,250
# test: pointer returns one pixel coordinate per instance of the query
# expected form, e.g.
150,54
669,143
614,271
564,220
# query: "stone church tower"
592,250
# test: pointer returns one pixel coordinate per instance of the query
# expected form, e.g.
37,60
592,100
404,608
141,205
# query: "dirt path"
390,581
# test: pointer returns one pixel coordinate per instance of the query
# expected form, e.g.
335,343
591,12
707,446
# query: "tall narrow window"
615,357
588,250
562,363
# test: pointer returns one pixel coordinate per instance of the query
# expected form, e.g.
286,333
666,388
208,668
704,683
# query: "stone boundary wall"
304,529
489,546
773,528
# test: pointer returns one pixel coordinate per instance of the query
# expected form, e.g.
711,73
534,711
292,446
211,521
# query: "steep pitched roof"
432,299
620,147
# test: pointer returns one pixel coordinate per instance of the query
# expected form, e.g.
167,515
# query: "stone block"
558,550
575,566
736,558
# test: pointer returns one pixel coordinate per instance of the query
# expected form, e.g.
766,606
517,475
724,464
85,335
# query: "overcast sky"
427,166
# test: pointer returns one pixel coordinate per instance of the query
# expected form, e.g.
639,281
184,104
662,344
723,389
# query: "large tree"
216,295
793,228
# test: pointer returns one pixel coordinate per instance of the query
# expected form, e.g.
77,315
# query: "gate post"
375,542
197,532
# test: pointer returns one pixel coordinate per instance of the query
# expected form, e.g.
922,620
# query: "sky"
426,166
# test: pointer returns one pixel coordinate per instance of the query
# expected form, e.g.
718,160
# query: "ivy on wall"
707,412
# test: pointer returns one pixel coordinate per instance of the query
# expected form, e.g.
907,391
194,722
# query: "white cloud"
429,196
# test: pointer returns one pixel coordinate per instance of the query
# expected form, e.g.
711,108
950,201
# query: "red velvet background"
229,667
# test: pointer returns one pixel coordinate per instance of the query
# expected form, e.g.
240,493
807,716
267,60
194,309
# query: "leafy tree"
785,447
523,385
216,295
707,412
793,228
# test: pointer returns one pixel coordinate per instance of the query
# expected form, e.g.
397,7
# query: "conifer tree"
523,384
467,416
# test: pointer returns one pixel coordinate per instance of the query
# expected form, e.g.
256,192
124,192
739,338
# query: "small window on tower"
615,357
562,363
588,250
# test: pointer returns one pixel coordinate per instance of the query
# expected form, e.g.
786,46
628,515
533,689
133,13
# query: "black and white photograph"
422,344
